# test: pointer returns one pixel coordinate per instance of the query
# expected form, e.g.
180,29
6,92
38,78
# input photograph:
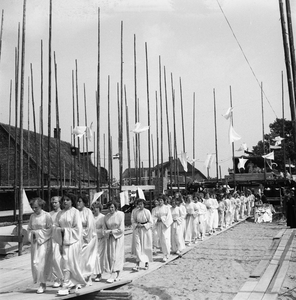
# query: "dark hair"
98,205
114,203
41,202
84,199
70,197
139,200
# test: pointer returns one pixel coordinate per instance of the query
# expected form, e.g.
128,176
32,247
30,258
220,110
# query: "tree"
287,145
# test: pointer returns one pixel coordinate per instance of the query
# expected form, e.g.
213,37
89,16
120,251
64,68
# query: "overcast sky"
195,44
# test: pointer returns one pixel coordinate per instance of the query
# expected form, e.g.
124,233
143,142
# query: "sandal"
146,266
136,268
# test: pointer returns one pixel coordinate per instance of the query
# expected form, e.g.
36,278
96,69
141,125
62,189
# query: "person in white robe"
114,233
221,212
89,239
232,205
163,216
101,244
133,214
191,221
215,206
201,218
243,205
177,238
210,213
154,229
57,272
67,232
228,210
181,204
142,227
39,234
237,204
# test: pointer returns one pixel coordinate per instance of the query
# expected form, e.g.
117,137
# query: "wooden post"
157,138
20,220
41,123
9,135
193,132
1,32
74,122
128,138
233,159
109,142
216,139
77,114
87,138
29,138
49,105
136,110
183,129
161,121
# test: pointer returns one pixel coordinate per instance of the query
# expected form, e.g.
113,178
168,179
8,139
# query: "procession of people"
73,245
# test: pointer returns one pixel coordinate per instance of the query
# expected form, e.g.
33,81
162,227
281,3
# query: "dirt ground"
216,268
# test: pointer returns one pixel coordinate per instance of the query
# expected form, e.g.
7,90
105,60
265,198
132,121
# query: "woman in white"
100,253
39,234
142,227
67,232
201,218
177,238
57,273
114,233
163,216
191,221
155,238
89,239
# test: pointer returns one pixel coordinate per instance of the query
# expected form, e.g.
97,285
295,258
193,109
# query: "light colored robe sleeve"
167,220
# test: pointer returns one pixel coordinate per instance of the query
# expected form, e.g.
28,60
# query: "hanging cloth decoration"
139,129
80,131
228,113
269,155
233,136
241,163
183,160
209,160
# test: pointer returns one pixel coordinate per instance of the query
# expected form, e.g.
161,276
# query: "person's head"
156,202
112,206
160,200
68,201
37,205
174,202
56,202
141,203
81,202
188,199
96,208
207,196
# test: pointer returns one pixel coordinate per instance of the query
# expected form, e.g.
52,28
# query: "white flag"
228,114
209,160
138,128
183,160
233,136
242,162
96,197
124,198
141,194
26,206
269,155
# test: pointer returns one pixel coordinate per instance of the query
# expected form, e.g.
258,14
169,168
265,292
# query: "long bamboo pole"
168,129
136,110
283,123
157,137
34,125
263,139
232,144
9,134
109,142
183,127
17,60
20,220
87,138
59,174
28,138
216,135
193,138
161,120
41,127
49,105
77,115
74,122
121,111
128,138
98,104
1,32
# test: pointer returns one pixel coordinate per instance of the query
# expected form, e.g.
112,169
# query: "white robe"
40,227
142,235
114,242
101,245
201,214
89,242
70,242
163,227
57,272
191,222
177,238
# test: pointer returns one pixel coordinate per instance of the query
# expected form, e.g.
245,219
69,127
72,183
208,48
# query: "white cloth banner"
141,194
269,155
183,160
233,136
138,128
96,197
124,198
26,205
228,113
80,131
209,160
242,162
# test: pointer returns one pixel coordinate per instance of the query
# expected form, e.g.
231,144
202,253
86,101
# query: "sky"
195,44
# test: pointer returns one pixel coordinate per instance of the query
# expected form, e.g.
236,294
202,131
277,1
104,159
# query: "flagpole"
9,134
161,122
136,110
41,124
193,150
98,104
283,126
109,140
74,141
128,138
157,138
28,137
77,114
216,139
233,159
87,137
262,113
183,130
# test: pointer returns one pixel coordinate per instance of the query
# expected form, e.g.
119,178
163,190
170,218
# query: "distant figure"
250,167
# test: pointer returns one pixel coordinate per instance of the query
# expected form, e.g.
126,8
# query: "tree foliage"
284,129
